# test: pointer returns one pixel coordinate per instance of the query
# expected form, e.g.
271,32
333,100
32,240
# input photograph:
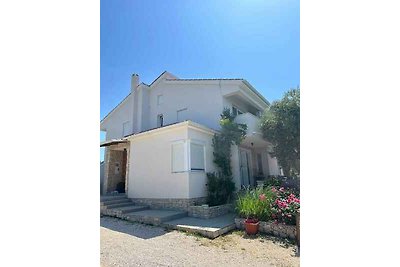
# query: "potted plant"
253,205
251,225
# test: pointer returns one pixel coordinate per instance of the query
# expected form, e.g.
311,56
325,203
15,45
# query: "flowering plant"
285,206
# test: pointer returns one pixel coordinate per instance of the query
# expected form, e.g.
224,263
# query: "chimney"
134,82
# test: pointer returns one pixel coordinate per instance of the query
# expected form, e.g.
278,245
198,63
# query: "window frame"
160,120
160,96
199,143
177,113
238,111
123,128
185,152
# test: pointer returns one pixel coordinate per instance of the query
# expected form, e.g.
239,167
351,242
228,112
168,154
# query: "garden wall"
206,212
276,229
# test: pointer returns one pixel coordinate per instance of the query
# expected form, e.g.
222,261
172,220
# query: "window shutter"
178,157
196,156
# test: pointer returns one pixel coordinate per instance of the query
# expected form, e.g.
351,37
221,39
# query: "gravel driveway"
129,244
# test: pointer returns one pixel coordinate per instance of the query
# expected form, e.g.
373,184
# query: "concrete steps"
122,207
115,201
111,203
154,217
121,211
112,197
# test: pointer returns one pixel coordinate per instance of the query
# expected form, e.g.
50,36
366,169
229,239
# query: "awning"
113,142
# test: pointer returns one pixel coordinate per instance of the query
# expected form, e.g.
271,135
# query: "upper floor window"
160,99
160,120
126,128
182,114
236,111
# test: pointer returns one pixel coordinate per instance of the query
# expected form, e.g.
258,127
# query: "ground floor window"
178,157
197,157
187,155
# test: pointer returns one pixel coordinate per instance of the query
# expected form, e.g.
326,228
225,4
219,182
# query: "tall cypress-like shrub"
220,185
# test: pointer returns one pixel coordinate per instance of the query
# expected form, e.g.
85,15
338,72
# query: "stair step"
131,208
119,205
154,217
116,201
112,197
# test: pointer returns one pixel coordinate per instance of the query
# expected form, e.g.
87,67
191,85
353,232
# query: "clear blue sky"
256,40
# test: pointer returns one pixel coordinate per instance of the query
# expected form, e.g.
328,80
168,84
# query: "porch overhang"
113,142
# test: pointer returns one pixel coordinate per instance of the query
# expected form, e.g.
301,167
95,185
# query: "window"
236,111
259,164
182,115
178,157
126,127
160,99
160,120
196,157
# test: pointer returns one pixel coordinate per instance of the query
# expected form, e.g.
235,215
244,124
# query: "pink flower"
262,197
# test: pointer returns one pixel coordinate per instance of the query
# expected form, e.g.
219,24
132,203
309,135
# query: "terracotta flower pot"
251,226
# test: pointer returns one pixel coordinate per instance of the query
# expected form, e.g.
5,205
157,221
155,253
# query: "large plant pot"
251,226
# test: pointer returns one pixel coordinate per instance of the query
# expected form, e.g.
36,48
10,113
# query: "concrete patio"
210,228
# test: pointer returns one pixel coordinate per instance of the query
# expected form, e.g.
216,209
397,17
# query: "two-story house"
158,144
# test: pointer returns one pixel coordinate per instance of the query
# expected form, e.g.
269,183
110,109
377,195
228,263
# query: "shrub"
219,189
285,206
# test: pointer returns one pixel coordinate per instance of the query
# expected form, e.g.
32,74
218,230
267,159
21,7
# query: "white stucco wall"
113,123
273,165
203,103
150,161
235,166
198,179
150,174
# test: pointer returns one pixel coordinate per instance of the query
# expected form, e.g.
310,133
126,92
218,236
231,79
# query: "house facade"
158,145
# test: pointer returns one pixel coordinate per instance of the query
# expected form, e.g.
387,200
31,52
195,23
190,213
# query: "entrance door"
245,167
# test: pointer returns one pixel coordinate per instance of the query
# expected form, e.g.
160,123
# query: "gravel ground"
129,244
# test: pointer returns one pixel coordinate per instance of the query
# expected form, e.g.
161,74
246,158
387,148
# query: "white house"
158,143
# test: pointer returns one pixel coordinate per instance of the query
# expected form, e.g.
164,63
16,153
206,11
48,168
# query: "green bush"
255,203
219,189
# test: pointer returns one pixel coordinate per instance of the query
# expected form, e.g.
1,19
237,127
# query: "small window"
182,115
236,111
259,164
160,99
196,157
126,127
178,157
160,120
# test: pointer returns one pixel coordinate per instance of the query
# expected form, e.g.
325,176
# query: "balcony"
252,122
254,137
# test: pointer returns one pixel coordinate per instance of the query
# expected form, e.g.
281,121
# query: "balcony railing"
252,122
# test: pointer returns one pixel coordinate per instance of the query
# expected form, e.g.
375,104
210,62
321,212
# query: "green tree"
280,125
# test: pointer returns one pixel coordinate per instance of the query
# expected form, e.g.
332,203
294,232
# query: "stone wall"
115,170
271,228
207,212
169,203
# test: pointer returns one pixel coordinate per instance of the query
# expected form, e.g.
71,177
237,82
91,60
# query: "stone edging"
207,212
275,229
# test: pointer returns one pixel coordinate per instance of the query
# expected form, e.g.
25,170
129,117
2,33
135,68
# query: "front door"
245,167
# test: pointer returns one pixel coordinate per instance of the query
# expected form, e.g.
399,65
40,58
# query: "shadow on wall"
134,229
